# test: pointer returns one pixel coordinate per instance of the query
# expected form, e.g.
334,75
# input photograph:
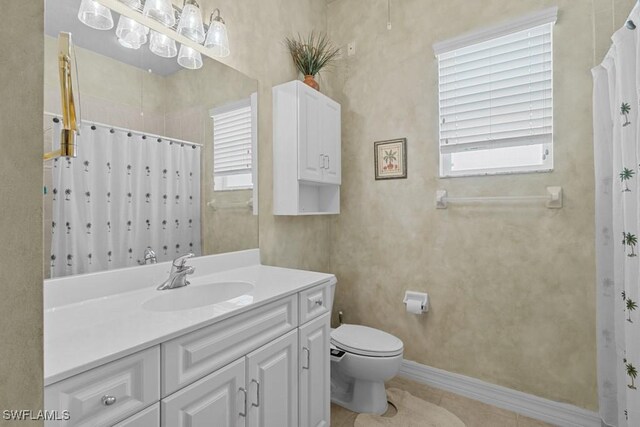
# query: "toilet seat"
366,341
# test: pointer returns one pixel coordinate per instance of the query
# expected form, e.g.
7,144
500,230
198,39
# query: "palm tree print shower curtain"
124,192
616,104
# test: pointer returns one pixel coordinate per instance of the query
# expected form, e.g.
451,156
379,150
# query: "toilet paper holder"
419,297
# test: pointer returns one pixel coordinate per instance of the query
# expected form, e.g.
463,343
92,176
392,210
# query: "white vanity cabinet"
306,151
265,367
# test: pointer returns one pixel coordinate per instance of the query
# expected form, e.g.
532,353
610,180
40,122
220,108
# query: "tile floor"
472,412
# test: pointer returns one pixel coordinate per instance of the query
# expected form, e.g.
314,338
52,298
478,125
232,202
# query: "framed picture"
390,158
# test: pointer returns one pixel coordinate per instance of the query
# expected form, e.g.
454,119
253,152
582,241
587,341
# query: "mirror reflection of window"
234,141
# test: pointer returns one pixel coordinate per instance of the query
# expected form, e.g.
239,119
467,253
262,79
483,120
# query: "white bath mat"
412,412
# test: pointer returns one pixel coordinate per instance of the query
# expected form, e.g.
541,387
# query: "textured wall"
512,288
21,72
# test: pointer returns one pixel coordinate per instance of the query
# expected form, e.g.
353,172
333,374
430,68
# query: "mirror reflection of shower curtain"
123,192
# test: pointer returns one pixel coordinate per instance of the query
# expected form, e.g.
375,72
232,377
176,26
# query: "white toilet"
362,359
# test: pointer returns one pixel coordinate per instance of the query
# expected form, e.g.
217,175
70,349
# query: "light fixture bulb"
95,15
161,11
190,24
162,45
131,34
217,39
189,58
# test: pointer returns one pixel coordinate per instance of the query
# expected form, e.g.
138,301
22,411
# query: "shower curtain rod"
151,135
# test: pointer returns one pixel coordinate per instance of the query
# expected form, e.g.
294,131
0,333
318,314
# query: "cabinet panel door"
315,405
150,417
310,160
216,400
272,382
331,141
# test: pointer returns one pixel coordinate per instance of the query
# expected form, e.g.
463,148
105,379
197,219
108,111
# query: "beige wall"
21,50
512,288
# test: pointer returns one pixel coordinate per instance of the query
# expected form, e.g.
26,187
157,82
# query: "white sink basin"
196,296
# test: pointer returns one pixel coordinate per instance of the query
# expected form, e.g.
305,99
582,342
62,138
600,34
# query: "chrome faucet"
149,257
178,275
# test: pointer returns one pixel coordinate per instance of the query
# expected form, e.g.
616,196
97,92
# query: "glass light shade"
217,39
95,15
190,24
162,45
189,58
161,11
133,4
131,34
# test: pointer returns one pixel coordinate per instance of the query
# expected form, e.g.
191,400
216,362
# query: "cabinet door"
310,158
331,141
150,417
217,400
272,382
315,405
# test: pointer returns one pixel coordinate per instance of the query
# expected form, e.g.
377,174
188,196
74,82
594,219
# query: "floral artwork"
390,159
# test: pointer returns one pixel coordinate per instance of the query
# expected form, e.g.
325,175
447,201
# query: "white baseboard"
560,414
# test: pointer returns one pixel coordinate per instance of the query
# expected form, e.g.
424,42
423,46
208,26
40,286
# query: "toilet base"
368,397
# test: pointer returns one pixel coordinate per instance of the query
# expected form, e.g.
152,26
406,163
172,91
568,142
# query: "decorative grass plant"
311,54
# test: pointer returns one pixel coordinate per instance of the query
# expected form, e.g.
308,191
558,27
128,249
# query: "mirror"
166,155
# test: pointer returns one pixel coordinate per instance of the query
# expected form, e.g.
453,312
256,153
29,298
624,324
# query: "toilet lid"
366,341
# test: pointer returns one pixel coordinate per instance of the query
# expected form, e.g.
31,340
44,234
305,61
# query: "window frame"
524,23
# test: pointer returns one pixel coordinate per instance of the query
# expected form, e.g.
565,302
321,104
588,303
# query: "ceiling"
61,15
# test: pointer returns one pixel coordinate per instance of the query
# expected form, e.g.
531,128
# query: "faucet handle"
182,260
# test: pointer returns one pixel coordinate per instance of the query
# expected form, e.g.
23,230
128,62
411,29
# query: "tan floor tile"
422,391
530,422
477,405
477,414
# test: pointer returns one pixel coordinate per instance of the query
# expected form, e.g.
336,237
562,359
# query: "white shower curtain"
123,192
617,170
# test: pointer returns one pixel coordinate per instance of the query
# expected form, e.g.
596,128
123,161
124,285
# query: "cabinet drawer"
190,357
109,393
150,417
219,399
315,302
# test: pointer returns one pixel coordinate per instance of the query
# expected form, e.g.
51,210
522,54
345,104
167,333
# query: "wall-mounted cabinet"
306,151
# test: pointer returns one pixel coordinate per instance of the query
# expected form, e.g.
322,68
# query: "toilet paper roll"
414,306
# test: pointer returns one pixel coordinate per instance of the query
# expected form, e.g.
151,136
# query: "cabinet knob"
108,400
318,302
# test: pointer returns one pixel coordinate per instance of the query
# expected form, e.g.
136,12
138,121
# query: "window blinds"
497,93
232,143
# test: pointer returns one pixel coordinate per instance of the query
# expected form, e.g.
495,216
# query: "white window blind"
232,141
495,95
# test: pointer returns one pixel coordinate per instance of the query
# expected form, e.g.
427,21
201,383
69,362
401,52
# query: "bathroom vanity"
244,345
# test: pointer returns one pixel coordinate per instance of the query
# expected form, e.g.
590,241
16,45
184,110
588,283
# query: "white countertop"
83,330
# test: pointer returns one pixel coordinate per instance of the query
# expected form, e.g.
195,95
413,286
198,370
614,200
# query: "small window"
233,145
496,99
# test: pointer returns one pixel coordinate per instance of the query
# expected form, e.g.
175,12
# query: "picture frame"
390,159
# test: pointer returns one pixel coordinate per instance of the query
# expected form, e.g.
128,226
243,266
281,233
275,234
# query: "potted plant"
311,54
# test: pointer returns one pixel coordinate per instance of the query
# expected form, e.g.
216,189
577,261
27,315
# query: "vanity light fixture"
186,22
189,58
160,10
95,15
217,38
190,24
